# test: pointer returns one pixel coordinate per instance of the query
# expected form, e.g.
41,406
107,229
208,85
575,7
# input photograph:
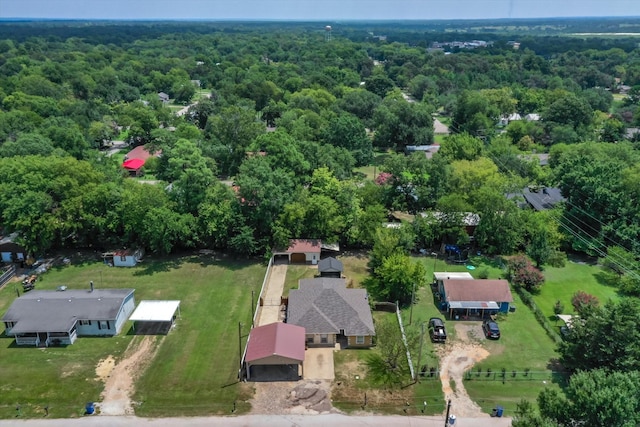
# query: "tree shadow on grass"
579,258
150,267
607,279
559,374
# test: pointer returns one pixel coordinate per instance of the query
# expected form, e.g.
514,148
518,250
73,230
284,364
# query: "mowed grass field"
195,369
561,283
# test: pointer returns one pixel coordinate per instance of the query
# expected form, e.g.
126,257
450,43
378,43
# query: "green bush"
557,259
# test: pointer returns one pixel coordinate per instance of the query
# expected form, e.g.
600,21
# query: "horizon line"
254,20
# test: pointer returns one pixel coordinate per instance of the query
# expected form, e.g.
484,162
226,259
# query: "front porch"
46,339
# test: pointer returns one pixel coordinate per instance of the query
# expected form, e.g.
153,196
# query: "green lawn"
562,283
295,273
195,369
119,156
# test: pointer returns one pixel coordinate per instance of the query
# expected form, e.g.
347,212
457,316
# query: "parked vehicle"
29,283
491,329
437,330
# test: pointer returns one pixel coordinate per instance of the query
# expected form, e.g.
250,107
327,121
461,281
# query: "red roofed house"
301,251
136,158
463,297
133,166
275,350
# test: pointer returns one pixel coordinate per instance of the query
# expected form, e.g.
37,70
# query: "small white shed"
127,257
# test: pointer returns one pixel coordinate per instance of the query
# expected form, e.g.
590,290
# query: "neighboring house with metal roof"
301,251
428,150
465,297
163,97
329,311
275,351
44,318
330,267
439,276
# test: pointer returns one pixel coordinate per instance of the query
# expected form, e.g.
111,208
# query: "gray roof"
58,311
325,306
330,265
543,199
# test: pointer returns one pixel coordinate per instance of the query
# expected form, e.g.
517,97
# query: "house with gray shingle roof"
44,318
329,311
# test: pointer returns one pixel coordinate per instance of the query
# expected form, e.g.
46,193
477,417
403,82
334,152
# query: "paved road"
261,421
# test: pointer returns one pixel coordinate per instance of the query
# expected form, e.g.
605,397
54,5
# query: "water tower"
327,33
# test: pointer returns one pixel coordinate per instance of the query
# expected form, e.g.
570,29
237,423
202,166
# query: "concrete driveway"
318,364
270,311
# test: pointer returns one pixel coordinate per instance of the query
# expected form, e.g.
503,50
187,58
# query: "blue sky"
314,9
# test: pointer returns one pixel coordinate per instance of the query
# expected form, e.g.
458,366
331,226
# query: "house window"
85,322
359,339
324,339
310,340
9,325
103,324
123,257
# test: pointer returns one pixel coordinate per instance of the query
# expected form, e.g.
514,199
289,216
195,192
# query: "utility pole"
446,418
252,307
240,344
420,352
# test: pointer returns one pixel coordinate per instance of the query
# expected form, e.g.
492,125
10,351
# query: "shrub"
557,259
558,308
524,273
582,301
483,274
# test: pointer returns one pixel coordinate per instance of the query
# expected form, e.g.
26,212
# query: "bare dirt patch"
297,397
120,377
105,367
455,359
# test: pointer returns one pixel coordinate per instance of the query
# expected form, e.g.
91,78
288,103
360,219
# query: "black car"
437,331
491,329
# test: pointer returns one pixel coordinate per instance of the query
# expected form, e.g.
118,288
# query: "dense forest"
318,109
301,131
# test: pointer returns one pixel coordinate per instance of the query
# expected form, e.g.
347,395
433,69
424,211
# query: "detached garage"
300,251
155,317
275,352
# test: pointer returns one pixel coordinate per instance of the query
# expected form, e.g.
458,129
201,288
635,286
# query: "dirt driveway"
456,358
120,377
318,364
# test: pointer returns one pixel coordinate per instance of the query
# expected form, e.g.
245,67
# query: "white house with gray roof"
44,318
328,311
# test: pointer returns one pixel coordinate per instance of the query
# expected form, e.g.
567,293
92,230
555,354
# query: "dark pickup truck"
437,331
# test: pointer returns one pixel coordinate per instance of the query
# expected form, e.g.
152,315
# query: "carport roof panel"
475,305
155,311
276,339
452,275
